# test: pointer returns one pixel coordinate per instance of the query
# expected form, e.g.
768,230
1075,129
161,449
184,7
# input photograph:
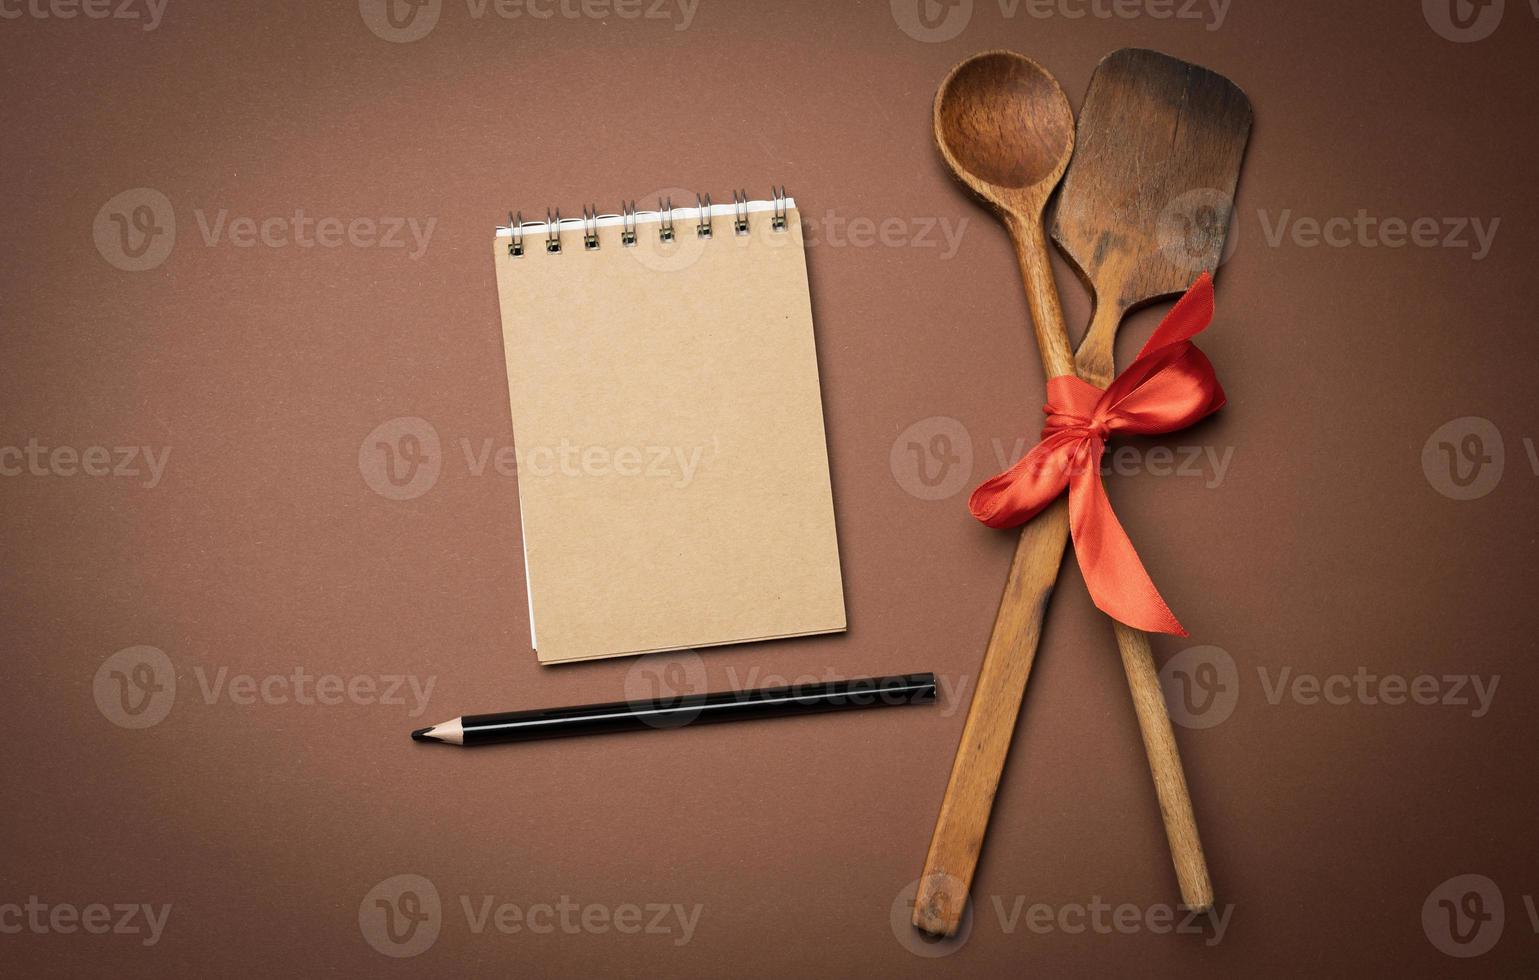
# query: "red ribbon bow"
1169,386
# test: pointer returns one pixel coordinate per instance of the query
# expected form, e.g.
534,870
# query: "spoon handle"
943,888
980,760
1041,294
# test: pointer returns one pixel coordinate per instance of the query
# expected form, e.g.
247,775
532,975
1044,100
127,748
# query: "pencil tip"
421,734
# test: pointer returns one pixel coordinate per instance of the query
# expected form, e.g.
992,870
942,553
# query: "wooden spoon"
1144,210
1005,128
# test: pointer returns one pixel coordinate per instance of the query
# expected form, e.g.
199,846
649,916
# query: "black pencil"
684,709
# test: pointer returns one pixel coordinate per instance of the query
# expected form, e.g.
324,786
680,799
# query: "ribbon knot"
1169,386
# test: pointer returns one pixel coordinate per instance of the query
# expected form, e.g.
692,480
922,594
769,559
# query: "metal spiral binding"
553,232
629,222
740,205
590,218
665,229
516,243
628,231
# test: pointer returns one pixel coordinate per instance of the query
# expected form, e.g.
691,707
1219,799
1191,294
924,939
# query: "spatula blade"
1146,203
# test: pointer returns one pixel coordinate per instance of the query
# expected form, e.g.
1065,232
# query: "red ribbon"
1169,386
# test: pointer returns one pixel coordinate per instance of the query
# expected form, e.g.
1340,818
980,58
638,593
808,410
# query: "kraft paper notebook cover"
673,476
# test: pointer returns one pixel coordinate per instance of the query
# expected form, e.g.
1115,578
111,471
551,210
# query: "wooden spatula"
1145,206
1144,209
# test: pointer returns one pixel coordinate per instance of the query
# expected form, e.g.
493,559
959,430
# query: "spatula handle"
964,817
1165,766
1094,363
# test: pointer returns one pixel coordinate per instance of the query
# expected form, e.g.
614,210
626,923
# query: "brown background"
1325,549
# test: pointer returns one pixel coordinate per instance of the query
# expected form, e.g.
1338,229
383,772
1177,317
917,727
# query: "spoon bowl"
1006,130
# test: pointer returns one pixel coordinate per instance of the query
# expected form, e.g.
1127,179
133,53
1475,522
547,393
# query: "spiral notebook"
673,481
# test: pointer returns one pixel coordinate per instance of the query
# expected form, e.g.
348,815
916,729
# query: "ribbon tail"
1116,578
1188,318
